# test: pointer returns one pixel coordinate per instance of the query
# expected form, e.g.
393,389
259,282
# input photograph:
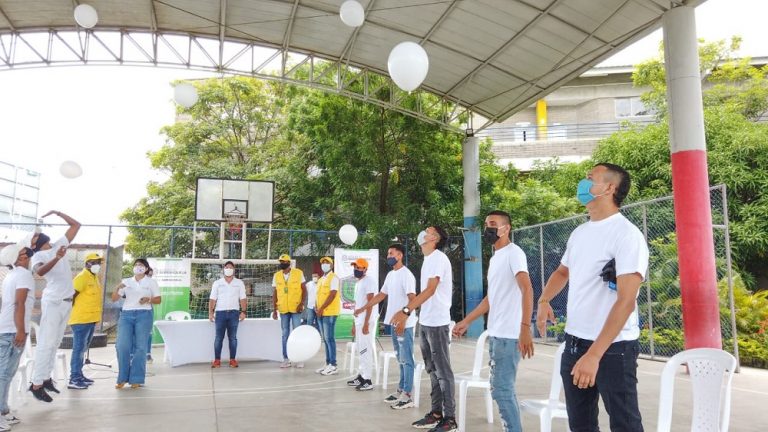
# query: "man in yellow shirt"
86,312
288,298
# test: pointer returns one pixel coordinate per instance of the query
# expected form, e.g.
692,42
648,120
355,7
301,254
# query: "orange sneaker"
233,363
216,364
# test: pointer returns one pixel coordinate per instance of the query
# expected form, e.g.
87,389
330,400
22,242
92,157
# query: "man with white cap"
86,312
50,263
18,300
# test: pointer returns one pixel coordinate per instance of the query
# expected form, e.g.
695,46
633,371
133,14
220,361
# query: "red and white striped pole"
690,181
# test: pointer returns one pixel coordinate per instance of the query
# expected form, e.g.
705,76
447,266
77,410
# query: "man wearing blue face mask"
400,288
600,359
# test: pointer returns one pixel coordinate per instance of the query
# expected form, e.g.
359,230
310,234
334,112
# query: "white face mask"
326,267
95,268
314,279
422,238
229,272
138,270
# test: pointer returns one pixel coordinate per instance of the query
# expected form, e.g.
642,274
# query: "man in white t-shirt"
18,296
509,305
604,263
365,323
226,307
435,300
399,288
50,262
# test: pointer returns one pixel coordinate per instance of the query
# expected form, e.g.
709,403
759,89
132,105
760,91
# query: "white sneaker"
285,364
12,419
299,365
4,426
330,370
320,370
404,402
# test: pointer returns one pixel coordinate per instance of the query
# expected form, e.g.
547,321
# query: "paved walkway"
259,396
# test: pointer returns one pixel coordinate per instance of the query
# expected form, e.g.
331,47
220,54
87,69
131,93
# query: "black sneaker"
448,424
87,381
48,385
77,385
40,394
365,386
429,421
404,402
394,397
356,381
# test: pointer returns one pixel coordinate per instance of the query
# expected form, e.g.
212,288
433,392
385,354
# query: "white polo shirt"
17,279
504,295
590,247
58,281
363,287
436,311
134,290
397,285
228,295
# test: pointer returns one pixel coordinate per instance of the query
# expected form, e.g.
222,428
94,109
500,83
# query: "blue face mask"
359,273
583,191
391,261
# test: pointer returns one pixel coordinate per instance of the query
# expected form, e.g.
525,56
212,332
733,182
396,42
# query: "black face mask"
42,239
284,266
491,235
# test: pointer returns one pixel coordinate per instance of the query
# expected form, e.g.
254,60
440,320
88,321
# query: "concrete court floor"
259,396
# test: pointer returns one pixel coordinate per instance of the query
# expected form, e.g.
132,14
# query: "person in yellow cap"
288,298
365,323
328,307
86,312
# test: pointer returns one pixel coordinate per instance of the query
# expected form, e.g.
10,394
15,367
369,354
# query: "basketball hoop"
235,221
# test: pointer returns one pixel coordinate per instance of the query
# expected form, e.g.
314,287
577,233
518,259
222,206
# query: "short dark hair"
443,237
625,182
228,262
398,247
503,214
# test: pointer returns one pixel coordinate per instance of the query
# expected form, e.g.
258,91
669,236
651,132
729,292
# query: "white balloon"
185,94
348,234
408,65
303,343
70,169
86,16
352,13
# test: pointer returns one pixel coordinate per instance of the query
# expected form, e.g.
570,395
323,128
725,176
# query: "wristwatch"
406,310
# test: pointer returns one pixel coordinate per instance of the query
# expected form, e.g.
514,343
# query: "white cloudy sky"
108,118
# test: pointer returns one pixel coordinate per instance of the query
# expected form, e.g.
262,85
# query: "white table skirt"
191,341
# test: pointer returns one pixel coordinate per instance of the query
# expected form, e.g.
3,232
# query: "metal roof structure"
488,57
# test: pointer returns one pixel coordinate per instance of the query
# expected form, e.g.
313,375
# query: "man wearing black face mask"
288,298
509,305
86,312
365,322
400,288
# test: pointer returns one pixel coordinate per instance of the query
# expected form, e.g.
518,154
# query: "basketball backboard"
216,198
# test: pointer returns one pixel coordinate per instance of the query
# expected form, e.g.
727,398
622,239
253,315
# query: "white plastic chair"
420,368
711,399
350,353
386,356
466,381
548,409
178,316
61,356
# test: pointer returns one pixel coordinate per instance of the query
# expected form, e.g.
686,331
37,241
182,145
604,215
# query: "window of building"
631,107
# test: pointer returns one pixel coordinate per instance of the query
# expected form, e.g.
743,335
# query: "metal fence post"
290,242
106,279
648,288
541,268
173,240
728,262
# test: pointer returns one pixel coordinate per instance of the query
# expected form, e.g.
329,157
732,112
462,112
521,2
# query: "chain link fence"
659,302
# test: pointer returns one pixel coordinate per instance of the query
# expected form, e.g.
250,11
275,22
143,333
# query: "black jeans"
616,384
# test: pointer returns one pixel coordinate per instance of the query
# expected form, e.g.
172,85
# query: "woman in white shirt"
140,293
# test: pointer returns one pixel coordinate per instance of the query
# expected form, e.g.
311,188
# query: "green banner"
173,277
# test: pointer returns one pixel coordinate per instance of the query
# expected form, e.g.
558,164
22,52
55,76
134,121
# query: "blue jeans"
310,317
615,383
328,332
226,321
81,340
149,342
505,355
9,362
132,329
404,349
288,321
